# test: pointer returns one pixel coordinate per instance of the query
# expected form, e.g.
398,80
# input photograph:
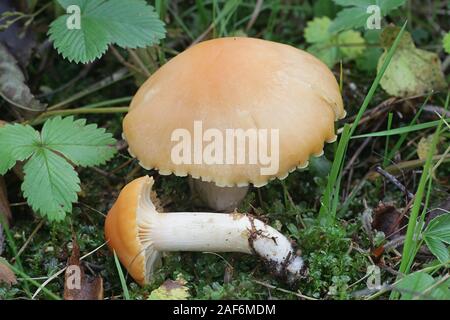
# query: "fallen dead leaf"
19,40
386,218
12,84
424,146
171,290
6,274
77,285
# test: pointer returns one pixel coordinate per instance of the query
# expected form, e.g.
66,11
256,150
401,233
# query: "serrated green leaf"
17,143
355,14
446,42
351,44
137,26
50,185
348,19
130,24
316,30
79,45
84,145
330,48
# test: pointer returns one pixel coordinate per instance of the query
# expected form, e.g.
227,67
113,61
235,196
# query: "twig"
139,62
395,181
284,290
115,77
48,114
42,286
255,14
124,62
25,245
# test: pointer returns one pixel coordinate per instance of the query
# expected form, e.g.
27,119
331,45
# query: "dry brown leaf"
6,274
13,86
77,285
386,218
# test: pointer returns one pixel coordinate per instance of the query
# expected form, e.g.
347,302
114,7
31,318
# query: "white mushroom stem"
218,198
204,231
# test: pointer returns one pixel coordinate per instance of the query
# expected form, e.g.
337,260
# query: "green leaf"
351,44
446,42
355,14
419,285
330,48
438,248
402,130
129,24
50,185
412,71
84,145
439,228
437,235
17,143
316,30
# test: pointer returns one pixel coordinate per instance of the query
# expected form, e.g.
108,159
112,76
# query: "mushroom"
138,233
239,84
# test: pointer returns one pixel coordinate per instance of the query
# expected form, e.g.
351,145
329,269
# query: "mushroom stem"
204,231
218,198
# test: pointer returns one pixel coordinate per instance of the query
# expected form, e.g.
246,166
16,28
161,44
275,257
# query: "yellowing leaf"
332,47
411,71
424,146
317,30
351,44
171,290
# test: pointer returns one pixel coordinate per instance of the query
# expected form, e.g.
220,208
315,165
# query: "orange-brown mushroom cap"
121,230
236,83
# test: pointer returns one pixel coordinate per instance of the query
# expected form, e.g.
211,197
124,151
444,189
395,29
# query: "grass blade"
123,283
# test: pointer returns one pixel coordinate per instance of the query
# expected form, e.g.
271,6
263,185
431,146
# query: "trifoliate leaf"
356,15
411,71
84,145
351,44
17,143
446,42
171,290
50,184
131,24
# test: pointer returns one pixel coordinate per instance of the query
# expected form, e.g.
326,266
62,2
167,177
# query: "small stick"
395,181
